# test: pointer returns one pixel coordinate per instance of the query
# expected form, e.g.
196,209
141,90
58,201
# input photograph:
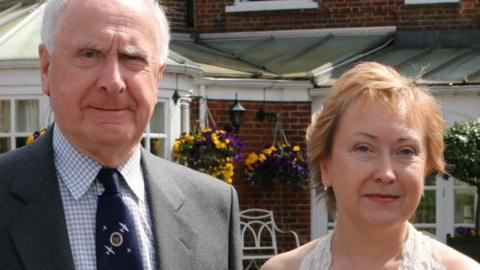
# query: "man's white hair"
54,8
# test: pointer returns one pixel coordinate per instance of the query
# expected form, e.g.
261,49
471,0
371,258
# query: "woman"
370,149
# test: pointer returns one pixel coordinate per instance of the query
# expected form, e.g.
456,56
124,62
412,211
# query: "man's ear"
44,68
160,73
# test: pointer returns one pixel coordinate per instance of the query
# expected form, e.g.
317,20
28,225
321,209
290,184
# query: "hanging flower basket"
465,240
212,151
277,164
35,135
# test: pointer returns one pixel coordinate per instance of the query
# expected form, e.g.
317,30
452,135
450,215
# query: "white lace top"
416,253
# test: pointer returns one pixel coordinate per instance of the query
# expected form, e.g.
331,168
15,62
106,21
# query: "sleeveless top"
416,252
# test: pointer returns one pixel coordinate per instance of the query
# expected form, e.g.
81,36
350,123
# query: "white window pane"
157,147
4,145
464,206
20,141
426,210
461,183
157,123
26,115
5,116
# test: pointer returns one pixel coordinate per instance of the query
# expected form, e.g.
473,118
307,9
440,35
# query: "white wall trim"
436,90
454,89
358,31
19,63
421,2
264,83
246,6
256,89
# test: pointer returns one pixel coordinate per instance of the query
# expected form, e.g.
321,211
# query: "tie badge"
116,239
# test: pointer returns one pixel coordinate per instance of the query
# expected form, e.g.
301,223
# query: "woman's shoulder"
451,258
289,260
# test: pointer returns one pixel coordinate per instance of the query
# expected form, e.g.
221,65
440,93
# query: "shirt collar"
132,172
78,171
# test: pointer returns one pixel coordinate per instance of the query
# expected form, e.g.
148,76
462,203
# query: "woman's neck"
367,246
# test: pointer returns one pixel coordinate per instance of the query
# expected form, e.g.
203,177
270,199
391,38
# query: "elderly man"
85,195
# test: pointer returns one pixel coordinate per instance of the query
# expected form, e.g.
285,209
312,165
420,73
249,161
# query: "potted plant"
462,154
277,164
32,137
212,151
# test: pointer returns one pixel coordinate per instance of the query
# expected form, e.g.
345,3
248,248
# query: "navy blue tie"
116,239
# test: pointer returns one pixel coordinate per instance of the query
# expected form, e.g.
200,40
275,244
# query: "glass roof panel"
12,18
327,52
290,57
200,54
388,56
24,43
458,70
429,61
236,46
279,47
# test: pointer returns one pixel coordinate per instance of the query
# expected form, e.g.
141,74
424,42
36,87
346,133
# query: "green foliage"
462,151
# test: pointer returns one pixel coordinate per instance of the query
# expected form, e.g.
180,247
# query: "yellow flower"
270,150
262,157
30,139
188,137
229,166
228,172
217,142
252,158
176,147
296,148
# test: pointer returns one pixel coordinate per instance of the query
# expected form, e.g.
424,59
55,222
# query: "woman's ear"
324,171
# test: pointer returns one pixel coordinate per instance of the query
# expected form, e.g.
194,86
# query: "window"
465,201
417,2
18,119
256,5
445,205
155,136
425,217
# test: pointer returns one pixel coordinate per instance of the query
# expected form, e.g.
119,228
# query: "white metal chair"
259,241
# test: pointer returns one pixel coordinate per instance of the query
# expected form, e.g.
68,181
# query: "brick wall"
177,13
211,16
291,205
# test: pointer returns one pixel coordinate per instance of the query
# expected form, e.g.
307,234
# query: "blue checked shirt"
80,189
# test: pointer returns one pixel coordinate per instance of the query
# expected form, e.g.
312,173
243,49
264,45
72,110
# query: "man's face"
103,73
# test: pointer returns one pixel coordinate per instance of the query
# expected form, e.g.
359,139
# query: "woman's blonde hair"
376,83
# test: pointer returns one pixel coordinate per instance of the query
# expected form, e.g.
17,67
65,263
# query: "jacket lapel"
175,239
40,233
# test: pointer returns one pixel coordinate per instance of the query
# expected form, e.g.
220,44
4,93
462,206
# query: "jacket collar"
39,232
176,239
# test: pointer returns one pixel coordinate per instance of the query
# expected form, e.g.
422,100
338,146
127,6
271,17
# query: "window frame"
248,6
423,2
148,135
13,134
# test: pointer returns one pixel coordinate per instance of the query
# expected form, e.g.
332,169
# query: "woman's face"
377,165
